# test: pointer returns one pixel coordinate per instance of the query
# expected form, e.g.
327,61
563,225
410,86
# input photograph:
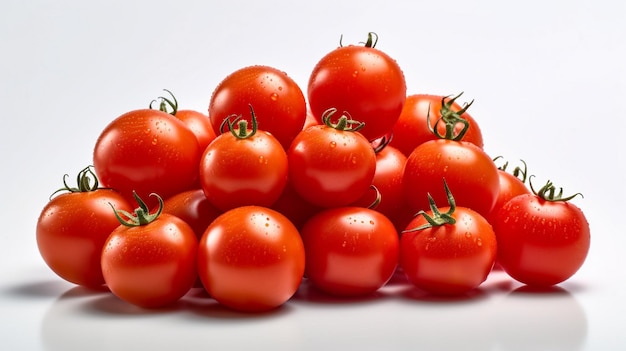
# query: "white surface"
548,79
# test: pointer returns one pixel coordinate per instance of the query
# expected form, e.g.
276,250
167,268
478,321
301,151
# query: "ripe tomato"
243,167
251,259
388,182
331,165
350,251
411,129
150,259
196,121
72,228
147,151
278,101
450,254
511,185
470,172
543,239
362,80
194,208
294,207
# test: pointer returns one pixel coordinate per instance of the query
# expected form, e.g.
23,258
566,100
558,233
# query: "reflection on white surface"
398,317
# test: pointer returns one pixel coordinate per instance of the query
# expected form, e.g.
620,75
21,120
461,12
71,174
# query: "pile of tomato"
345,187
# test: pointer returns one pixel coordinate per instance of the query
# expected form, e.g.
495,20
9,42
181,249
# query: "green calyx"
450,119
167,105
519,173
86,181
437,219
548,192
238,126
142,215
345,122
372,40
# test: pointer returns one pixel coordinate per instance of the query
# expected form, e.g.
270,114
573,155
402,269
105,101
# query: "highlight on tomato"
251,259
543,238
448,250
419,115
350,251
362,80
278,101
73,227
245,166
149,260
331,164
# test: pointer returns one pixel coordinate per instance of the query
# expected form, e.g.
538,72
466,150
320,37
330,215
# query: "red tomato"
72,228
469,171
147,151
193,207
388,181
449,257
243,167
150,260
331,165
294,207
511,185
542,239
350,251
362,80
251,259
199,124
196,121
278,101
411,129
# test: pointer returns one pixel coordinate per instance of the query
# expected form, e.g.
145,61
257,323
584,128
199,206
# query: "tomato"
543,239
72,228
194,208
294,207
362,80
412,129
469,171
511,185
196,121
251,259
278,101
331,165
350,251
150,259
147,151
450,256
388,185
243,167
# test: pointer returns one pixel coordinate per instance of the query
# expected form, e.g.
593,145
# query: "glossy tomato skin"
237,172
251,259
151,265
470,173
411,128
451,259
541,243
363,81
194,208
278,101
71,231
388,181
350,251
147,151
330,167
199,124
510,187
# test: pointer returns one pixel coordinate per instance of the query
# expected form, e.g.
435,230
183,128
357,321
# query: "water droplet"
262,160
479,242
468,234
333,144
154,141
274,96
372,222
280,88
355,74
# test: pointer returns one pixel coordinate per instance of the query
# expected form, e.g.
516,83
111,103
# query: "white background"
548,79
